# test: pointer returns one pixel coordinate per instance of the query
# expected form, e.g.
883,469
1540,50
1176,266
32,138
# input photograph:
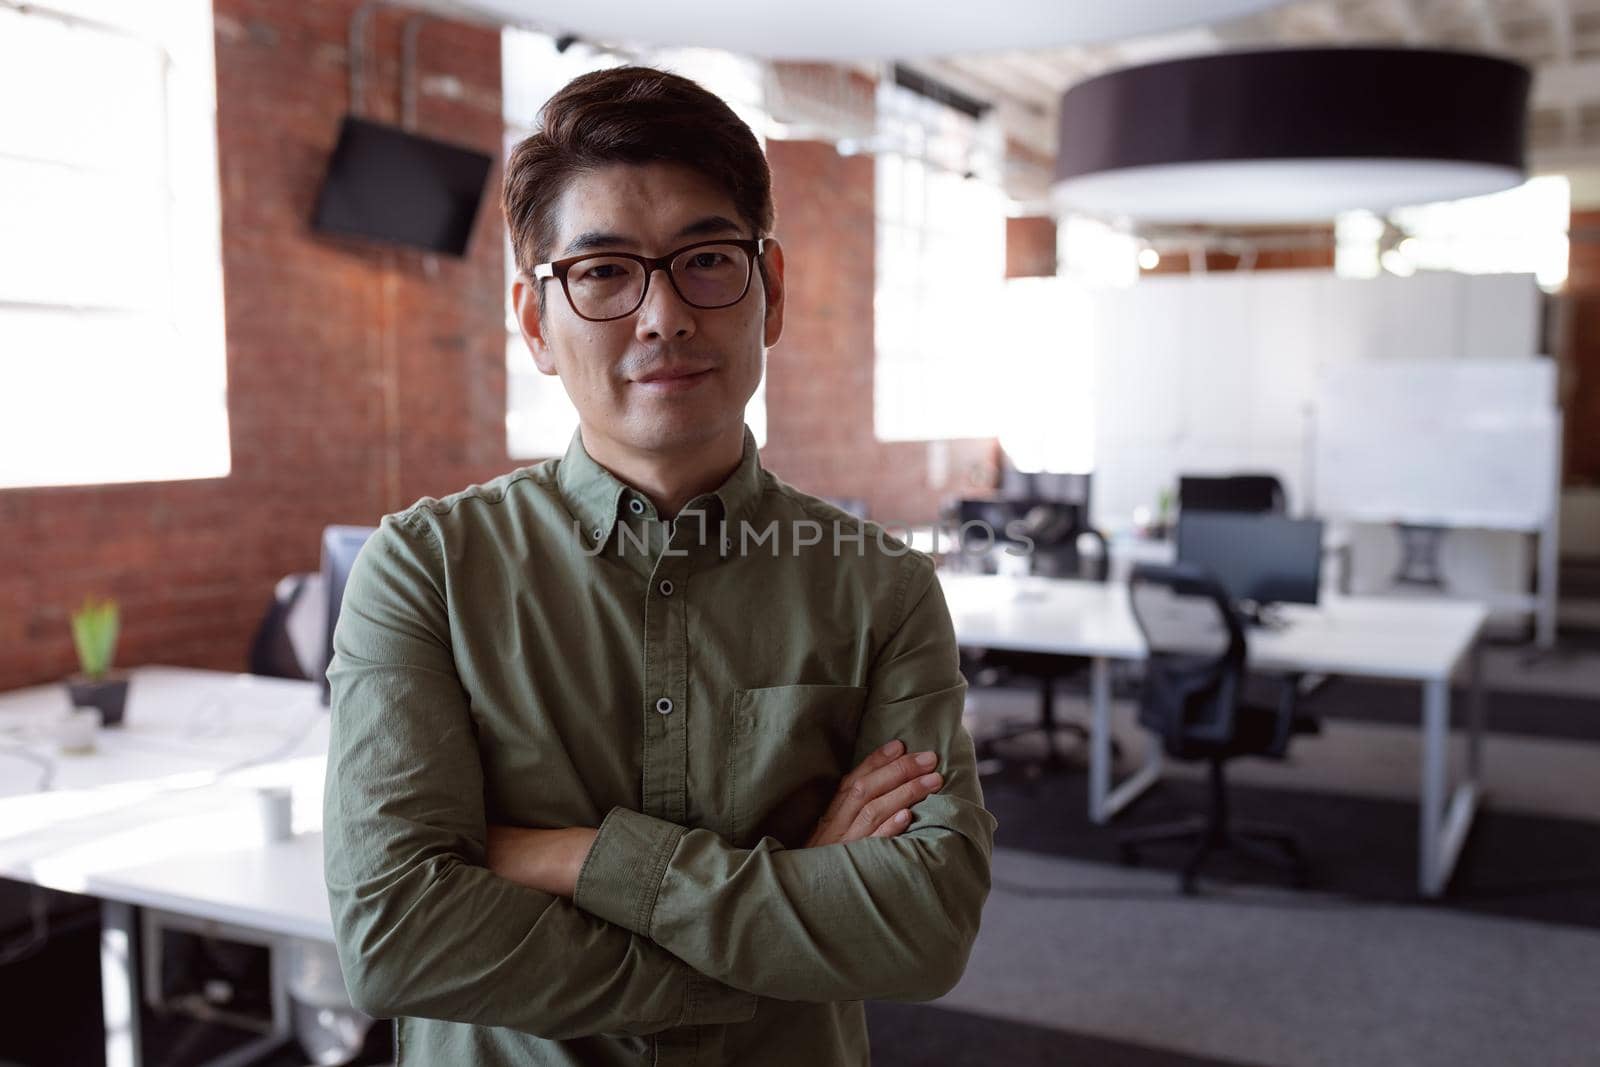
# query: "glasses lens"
711,276
605,287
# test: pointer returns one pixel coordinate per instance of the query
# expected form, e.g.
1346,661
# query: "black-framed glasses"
602,286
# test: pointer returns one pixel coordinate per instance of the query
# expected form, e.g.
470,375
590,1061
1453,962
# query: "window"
940,271
540,418
111,340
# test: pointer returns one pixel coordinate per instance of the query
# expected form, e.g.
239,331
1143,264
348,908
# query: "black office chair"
1056,530
280,647
1234,492
1192,699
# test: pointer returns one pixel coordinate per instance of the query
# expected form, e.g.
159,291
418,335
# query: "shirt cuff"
622,874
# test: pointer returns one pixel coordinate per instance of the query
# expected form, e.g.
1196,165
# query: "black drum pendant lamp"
1293,135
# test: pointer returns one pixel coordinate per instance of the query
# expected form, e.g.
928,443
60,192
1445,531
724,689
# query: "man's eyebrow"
592,240
711,225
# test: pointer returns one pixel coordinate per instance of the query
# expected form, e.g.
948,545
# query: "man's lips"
674,377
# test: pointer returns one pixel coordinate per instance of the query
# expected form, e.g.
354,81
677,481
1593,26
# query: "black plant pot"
109,695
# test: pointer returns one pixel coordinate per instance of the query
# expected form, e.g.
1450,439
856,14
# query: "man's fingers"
850,795
876,759
894,824
855,795
870,796
905,769
874,812
874,776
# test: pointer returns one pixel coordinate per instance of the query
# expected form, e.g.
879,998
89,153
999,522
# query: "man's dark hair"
629,115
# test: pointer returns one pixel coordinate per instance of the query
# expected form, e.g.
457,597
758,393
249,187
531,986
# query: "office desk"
164,816
1404,640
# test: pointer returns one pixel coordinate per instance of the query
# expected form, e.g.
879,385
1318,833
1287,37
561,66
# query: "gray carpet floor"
1081,961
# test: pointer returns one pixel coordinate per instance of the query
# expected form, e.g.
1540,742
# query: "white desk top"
165,813
1378,637
178,721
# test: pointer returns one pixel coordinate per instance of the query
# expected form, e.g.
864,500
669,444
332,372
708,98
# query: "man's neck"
669,479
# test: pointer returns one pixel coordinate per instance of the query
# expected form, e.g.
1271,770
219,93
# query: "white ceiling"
859,29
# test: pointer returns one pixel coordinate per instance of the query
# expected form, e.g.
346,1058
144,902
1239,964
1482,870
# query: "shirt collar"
595,496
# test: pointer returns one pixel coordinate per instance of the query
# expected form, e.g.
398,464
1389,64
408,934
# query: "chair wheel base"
1268,846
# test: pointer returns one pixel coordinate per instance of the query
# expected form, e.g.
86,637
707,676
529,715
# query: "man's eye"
707,260
600,272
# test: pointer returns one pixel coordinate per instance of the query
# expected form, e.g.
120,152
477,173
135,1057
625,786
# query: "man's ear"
772,284
525,302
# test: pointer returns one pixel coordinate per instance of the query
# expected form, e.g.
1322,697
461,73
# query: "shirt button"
598,533
665,587
636,506
664,706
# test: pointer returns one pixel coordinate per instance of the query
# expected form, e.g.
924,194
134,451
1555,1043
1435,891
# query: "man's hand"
546,860
875,799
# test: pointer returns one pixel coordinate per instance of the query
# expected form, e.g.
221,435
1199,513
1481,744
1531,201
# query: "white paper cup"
276,804
76,731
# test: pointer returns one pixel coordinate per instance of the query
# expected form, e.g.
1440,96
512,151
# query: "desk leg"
119,984
1441,833
1477,713
1104,801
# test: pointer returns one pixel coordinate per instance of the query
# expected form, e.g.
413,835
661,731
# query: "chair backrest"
1057,530
1234,492
1195,670
279,649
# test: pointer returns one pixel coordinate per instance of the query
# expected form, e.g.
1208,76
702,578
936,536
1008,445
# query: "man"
641,755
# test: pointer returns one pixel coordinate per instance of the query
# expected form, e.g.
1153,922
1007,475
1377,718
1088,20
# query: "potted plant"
94,632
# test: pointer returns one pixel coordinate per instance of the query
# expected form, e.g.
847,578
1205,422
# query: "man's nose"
663,313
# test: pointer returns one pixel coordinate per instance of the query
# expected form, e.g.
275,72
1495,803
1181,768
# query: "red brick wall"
358,379
1031,247
819,375
1581,352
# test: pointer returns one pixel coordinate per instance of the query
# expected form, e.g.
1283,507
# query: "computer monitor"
1045,486
1265,559
1252,493
340,546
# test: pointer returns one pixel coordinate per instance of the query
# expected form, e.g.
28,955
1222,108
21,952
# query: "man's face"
669,377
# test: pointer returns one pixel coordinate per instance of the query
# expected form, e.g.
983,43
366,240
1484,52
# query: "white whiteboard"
1439,442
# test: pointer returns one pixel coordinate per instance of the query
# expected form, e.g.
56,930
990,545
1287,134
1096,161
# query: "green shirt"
543,651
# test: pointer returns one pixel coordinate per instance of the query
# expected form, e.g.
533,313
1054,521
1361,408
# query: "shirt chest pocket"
789,746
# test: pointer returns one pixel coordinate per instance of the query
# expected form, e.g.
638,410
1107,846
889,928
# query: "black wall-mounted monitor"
388,184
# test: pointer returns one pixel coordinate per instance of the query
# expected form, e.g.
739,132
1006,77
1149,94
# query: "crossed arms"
438,915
